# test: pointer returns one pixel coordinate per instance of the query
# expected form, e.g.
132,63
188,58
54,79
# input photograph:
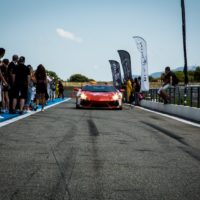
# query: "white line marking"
28,114
169,116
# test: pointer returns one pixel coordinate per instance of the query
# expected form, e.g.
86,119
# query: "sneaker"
21,112
42,109
165,102
35,109
12,112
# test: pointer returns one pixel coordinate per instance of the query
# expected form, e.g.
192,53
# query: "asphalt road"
69,154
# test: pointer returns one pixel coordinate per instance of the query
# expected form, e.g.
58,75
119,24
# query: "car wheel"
120,108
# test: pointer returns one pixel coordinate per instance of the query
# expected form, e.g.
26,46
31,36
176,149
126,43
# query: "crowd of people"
22,88
132,90
133,93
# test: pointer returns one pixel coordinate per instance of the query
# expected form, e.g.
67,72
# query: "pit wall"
185,112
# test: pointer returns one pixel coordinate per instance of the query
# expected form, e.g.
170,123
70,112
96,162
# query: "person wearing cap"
21,78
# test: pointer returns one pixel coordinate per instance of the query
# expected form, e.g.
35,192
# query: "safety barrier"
180,95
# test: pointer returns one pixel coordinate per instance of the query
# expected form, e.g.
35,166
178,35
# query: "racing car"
99,96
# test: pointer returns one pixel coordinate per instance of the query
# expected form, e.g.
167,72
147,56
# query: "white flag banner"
142,48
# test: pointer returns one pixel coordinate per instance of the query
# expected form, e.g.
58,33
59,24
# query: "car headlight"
115,97
83,96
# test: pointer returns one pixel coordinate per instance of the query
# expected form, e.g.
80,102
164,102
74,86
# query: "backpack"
53,86
175,80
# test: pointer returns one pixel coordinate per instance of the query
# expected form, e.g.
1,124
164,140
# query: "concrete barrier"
185,112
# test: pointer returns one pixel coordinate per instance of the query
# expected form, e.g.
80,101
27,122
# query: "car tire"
120,108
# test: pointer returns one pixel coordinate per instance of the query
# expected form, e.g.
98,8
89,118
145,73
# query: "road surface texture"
75,154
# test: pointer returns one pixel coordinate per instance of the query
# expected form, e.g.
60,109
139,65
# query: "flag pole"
184,50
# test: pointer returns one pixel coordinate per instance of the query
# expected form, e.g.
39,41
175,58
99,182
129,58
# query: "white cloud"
68,35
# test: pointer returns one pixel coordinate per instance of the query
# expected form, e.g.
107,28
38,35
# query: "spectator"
29,91
2,52
52,89
128,90
11,67
57,90
21,78
168,79
2,80
137,86
41,86
60,90
5,87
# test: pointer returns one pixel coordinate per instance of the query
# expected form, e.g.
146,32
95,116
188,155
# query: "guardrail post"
191,96
198,98
158,99
174,89
170,95
185,96
179,96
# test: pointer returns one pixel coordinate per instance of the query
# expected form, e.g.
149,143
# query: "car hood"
99,96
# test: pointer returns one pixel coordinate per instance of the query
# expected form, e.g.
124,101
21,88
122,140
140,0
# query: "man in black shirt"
169,79
11,68
21,78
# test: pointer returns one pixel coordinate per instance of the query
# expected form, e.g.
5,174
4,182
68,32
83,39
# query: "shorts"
41,88
5,88
20,91
165,87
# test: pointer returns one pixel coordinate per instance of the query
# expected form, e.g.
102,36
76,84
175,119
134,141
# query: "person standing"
29,91
128,90
41,86
2,52
53,88
5,87
60,90
137,85
2,80
21,78
11,67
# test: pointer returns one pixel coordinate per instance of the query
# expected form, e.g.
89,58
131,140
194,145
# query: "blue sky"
80,36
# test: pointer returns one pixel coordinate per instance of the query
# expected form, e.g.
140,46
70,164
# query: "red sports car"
99,96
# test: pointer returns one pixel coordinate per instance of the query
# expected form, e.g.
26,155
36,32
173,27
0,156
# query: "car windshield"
99,88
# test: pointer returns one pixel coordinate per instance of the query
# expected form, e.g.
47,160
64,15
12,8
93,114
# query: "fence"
179,95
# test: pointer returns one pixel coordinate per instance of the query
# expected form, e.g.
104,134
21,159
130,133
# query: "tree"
78,78
180,76
53,75
197,74
152,79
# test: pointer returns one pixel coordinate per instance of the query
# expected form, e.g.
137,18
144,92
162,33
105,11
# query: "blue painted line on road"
6,118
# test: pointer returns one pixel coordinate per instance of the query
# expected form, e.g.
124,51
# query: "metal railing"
180,95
